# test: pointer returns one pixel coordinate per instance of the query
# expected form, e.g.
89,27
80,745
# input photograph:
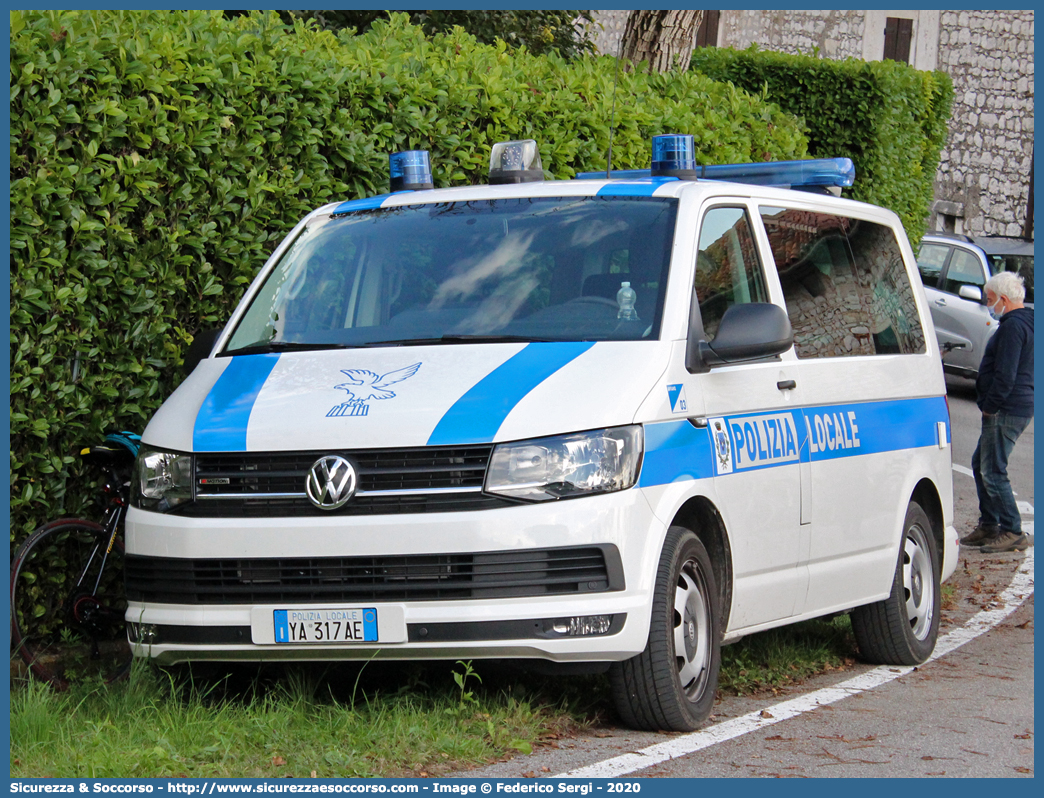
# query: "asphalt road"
968,712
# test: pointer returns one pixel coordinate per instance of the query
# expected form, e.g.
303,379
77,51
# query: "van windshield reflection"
487,271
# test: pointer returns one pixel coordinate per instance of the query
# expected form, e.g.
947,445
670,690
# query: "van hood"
406,396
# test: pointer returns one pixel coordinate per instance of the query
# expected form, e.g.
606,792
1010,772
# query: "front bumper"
601,620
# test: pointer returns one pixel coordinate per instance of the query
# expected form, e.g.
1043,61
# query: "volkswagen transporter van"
613,421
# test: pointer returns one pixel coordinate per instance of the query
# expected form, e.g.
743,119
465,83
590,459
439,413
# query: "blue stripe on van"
478,414
365,204
633,188
221,423
847,430
675,450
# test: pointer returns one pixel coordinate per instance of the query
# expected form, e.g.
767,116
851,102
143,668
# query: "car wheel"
902,629
671,684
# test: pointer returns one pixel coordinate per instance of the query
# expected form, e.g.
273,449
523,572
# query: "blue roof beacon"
674,156
410,170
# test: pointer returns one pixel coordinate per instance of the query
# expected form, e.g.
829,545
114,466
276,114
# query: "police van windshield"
531,269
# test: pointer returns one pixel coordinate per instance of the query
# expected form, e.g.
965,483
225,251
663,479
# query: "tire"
662,689
902,629
61,626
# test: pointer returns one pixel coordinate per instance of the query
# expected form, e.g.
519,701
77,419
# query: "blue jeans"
990,467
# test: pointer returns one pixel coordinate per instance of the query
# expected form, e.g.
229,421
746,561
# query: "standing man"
1004,392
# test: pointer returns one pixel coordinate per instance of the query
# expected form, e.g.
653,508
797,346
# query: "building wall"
833,34
983,182
985,165
609,28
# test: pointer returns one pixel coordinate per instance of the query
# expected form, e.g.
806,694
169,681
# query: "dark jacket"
1005,382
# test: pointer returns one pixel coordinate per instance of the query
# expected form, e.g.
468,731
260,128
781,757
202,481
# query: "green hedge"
157,158
889,118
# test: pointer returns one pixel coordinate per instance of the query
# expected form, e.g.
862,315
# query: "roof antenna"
612,110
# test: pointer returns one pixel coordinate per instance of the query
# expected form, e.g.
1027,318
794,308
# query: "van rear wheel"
902,629
671,684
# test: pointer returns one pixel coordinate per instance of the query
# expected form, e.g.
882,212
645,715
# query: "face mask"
995,311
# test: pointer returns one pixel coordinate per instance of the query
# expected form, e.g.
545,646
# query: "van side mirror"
746,332
972,292
199,349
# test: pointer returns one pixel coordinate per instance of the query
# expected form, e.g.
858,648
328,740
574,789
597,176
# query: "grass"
381,719
771,660
296,721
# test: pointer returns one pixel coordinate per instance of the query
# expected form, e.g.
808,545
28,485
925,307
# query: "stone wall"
609,28
986,162
832,34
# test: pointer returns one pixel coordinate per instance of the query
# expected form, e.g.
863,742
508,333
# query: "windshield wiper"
262,347
460,339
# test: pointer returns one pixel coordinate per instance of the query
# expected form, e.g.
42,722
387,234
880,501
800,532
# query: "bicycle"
67,593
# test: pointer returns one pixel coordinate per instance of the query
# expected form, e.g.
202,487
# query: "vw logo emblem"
331,482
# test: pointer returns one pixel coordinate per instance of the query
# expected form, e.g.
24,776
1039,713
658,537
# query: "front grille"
339,580
360,505
418,480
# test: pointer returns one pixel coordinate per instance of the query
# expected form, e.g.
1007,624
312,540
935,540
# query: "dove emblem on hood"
364,386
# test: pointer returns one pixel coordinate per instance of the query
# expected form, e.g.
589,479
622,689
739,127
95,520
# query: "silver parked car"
954,271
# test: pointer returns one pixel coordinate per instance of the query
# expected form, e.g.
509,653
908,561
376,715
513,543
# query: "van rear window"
845,284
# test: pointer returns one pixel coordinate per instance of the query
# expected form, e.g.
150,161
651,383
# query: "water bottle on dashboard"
625,298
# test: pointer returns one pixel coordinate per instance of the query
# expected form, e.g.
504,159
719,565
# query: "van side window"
728,271
845,285
965,269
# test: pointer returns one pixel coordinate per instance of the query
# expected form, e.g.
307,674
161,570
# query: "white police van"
613,421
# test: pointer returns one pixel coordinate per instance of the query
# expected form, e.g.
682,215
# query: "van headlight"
564,466
162,479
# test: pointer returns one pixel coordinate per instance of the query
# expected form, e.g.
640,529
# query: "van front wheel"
902,629
671,684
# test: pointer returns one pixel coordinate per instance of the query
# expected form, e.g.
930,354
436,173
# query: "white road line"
1014,595
1025,508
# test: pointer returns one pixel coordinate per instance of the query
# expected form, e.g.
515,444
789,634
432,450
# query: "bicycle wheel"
68,603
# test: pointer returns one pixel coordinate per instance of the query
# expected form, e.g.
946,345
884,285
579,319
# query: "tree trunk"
663,38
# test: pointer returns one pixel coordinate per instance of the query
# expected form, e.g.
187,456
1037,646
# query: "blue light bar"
819,172
795,174
673,156
410,170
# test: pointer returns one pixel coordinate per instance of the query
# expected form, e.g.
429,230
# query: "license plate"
355,625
